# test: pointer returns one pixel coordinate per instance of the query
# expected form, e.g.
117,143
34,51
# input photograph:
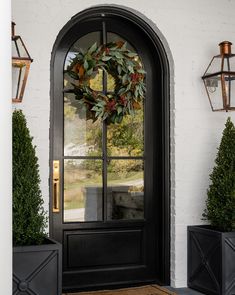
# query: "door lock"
56,186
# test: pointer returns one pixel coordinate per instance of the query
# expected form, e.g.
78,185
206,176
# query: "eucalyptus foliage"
29,219
220,204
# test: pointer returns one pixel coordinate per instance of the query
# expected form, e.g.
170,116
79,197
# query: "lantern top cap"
225,47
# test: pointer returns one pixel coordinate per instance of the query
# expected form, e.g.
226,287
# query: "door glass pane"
110,83
125,193
127,138
82,43
82,190
97,82
82,136
112,37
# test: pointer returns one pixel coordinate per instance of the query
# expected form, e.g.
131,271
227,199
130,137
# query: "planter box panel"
48,276
37,269
229,266
203,270
211,260
31,259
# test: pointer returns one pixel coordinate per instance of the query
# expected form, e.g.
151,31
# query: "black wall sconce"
219,79
21,62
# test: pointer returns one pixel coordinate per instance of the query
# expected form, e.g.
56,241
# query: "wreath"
128,74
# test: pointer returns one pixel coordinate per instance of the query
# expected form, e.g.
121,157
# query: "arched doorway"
112,192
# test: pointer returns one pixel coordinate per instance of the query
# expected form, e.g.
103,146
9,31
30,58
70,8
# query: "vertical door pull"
56,186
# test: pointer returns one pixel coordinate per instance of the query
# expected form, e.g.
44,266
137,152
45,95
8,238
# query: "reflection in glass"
112,37
230,88
110,83
82,190
18,48
83,183
215,65
82,137
97,82
127,138
125,189
214,88
82,43
18,74
68,82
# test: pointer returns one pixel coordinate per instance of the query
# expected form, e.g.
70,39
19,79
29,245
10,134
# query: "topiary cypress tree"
220,204
29,219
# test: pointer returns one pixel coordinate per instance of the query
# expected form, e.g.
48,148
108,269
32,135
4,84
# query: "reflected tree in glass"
127,138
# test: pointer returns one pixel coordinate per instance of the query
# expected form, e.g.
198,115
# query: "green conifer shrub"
220,204
29,220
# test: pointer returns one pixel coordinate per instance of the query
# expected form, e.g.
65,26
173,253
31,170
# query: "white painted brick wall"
6,152
192,29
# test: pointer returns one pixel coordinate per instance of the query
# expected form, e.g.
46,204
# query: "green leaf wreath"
128,73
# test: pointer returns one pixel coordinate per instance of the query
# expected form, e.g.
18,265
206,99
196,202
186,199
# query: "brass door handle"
56,186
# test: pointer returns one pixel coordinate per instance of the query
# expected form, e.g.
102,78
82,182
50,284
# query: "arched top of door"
118,13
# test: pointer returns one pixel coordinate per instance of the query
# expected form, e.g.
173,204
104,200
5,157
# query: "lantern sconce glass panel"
21,62
219,79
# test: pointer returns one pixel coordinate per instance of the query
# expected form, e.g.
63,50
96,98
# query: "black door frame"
164,251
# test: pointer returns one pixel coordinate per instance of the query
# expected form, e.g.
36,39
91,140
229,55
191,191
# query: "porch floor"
184,291
178,291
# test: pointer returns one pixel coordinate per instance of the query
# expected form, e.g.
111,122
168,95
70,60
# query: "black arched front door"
110,183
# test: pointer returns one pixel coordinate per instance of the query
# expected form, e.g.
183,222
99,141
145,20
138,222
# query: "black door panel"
103,248
122,247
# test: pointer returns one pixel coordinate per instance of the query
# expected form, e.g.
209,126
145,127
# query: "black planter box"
211,260
37,269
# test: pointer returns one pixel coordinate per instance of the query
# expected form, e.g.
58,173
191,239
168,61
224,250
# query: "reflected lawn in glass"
82,190
125,189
